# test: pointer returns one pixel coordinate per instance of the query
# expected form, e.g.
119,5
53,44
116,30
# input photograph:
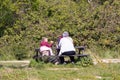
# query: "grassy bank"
60,72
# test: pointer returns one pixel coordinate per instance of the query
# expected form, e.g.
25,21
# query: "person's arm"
59,45
60,53
45,44
48,44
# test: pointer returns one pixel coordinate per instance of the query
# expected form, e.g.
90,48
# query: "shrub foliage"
24,22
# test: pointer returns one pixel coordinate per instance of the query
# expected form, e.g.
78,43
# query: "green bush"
85,61
27,21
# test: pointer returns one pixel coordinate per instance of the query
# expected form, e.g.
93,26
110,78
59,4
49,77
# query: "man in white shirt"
66,47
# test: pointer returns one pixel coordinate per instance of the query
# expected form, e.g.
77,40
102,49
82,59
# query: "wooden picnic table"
79,54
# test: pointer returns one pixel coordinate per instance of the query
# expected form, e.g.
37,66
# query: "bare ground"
94,61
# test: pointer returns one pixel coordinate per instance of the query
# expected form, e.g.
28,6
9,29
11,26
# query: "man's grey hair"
65,34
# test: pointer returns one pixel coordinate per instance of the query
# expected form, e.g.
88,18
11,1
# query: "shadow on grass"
1,66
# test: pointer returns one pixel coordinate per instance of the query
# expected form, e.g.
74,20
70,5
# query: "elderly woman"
45,47
66,47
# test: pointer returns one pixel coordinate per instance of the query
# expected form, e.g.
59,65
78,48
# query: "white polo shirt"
66,44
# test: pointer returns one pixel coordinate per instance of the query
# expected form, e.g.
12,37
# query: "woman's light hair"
44,38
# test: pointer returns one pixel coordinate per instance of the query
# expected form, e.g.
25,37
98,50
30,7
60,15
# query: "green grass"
43,71
103,52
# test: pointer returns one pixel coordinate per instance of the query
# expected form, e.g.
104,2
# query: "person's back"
66,44
66,47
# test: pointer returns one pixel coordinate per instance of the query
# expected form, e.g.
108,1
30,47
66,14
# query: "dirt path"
24,63
106,61
95,61
15,61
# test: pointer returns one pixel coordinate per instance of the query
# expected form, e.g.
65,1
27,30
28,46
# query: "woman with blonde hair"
45,47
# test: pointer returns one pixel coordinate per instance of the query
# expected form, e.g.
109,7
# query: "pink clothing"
43,43
45,46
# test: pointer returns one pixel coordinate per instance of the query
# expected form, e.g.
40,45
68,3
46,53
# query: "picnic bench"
79,53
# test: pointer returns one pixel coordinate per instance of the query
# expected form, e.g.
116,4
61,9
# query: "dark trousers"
68,53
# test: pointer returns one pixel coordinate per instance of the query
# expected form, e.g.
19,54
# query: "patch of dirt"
16,61
62,69
25,62
106,61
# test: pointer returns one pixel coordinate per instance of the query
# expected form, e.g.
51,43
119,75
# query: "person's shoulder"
69,37
62,39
